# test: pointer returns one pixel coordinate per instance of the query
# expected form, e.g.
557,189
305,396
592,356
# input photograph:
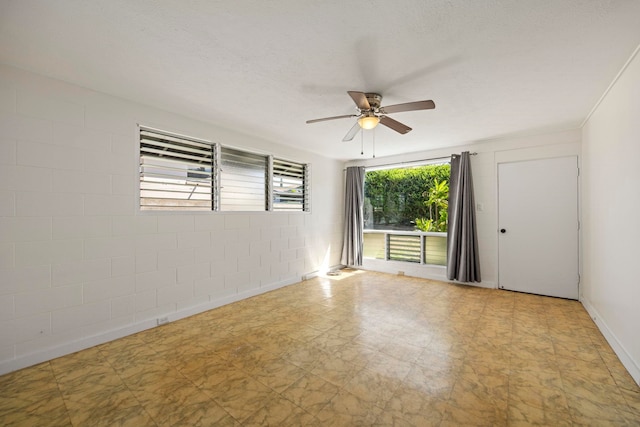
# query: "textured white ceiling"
493,67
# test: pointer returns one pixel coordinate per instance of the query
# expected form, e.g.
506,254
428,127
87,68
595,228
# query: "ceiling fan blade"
331,118
360,99
352,132
408,106
394,124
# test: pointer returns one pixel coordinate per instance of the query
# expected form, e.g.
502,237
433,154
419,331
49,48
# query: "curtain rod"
415,161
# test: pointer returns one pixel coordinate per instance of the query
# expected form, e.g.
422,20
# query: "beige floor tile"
544,399
108,412
50,410
305,356
200,362
521,414
412,406
179,410
201,415
335,370
372,386
253,360
304,333
525,362
214,378
390,419
632,397
432,381
587,412
476,415
620,375
330,341
145,364
451,345
496,332
479,394
278,374
495,356
389,366
544,378
242,397
115,397
346,409
404,351
87,381
29,385
576,371
311,393
18,418
280,412
584,351
273,342
355,353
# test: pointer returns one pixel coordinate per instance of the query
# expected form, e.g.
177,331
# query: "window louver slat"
173,146
175,155
159,178
194,142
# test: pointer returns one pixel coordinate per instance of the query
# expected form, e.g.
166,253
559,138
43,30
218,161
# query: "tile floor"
357,349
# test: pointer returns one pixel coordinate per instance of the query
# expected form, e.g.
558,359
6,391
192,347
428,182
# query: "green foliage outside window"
407,198
438,204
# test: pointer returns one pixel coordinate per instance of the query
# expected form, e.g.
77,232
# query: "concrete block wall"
80,264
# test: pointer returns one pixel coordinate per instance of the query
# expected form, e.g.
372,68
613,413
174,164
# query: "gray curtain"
463,262
353,216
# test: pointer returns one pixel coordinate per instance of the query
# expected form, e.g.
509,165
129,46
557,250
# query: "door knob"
502,230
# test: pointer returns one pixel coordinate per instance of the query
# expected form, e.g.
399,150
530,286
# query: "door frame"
539,153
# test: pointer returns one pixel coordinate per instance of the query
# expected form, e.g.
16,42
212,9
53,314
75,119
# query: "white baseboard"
92,341
431,272
627,361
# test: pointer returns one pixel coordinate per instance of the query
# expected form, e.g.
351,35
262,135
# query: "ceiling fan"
370,113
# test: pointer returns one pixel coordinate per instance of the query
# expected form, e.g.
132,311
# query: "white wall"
611,216
79,264
484,168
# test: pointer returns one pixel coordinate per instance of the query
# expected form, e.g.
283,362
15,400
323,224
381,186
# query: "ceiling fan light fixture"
368,122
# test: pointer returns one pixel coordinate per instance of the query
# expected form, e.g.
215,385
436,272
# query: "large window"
405,213
180,173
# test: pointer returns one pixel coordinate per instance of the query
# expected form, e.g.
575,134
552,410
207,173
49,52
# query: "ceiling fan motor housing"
374,100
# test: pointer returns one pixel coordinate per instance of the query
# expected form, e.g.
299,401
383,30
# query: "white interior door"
538,226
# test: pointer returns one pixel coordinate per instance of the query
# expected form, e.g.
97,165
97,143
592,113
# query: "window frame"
390,245
297,173
239,165
167,166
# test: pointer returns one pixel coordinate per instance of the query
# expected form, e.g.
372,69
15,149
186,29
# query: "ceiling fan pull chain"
362,143
374,143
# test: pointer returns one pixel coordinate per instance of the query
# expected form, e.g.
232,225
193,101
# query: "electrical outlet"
163,320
